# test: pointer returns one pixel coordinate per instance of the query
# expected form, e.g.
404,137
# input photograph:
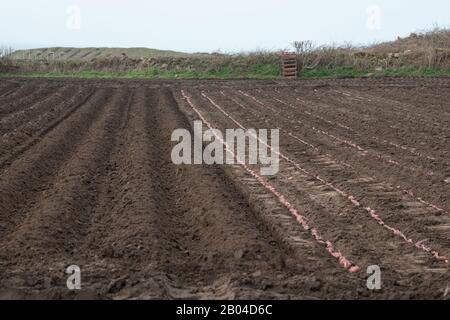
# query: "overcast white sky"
207,25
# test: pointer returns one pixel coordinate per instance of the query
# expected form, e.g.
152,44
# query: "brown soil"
86,178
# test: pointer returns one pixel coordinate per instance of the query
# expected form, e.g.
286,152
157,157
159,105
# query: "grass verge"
262,71
353,73
258,72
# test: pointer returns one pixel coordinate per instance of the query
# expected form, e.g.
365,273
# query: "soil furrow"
66,203
322,209
8,88
17,118
20,148
25,101
87,179
26,127
29,176
395,174
374,136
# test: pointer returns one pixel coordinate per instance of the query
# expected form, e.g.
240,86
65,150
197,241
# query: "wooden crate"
289,65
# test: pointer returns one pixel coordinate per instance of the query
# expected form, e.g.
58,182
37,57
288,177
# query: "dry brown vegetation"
430,49
211,63
424,50
6,64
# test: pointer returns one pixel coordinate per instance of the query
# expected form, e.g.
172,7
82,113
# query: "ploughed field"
86,179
